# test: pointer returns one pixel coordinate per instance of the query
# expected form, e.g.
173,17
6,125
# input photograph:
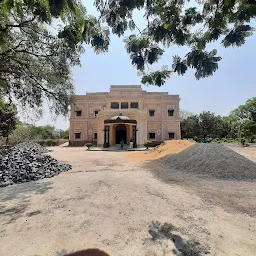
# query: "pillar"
106,136
134,127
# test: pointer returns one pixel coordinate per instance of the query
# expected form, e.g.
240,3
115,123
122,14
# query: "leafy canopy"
8,118
41,40
175,22
240,123
36,56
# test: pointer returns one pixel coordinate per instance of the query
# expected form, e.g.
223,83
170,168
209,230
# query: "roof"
120,117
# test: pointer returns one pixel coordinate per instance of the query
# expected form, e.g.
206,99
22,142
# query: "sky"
230,86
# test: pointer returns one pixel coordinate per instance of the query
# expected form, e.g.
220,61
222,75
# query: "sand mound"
208,161
166,148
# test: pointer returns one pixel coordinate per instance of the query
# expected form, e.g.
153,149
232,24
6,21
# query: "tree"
8,119
205,125
26,132
207,121
244,119
40,41
64,134
178,23
36,58
190,127
184,114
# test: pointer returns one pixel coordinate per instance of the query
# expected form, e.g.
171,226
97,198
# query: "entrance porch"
120,128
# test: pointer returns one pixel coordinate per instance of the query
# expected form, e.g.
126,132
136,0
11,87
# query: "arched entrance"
121,133
120,127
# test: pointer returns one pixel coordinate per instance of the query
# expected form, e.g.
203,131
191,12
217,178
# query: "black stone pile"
208,161
26,162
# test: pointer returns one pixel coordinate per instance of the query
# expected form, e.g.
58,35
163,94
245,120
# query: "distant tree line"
240,124
12,131
45,135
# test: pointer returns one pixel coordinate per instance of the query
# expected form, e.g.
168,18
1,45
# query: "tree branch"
34,54
21,24
101,13
12,49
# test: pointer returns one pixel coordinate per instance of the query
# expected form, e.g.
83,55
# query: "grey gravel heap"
207,161
27,161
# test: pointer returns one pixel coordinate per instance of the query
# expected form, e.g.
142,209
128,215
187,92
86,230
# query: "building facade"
125,112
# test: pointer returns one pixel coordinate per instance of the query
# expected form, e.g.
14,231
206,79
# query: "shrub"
217,140
61,141
49,142
41,142
88,145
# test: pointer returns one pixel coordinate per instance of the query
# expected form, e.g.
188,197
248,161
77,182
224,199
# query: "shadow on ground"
166,231
14,199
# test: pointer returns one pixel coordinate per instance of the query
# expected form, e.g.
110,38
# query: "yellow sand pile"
166,148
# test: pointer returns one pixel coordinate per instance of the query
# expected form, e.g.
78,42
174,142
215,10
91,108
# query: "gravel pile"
208,161
26,162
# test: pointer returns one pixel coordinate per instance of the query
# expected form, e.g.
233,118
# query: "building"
125,112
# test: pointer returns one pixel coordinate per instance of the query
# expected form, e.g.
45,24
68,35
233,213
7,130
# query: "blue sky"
231,85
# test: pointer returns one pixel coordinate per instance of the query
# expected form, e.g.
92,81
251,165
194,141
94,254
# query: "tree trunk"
7,140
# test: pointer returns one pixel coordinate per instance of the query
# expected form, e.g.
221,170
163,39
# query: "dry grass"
166,148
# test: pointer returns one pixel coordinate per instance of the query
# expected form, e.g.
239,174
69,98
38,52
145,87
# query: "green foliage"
156,78
8,119
244,120
35,59
51,142
64,134
88,145
205,127
240,124
171,23
190,127
44,135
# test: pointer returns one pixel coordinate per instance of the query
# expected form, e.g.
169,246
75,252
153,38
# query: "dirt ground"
249,152
113,203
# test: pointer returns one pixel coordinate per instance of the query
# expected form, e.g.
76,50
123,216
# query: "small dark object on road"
89,252
207,161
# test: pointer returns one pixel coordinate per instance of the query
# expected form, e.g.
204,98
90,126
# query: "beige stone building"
125,112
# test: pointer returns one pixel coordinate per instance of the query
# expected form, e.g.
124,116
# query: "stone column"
134,127
106,136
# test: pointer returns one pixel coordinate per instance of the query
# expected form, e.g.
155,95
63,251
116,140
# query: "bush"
51,143
48,143
217,140
61,141
88,145
41,142
243,142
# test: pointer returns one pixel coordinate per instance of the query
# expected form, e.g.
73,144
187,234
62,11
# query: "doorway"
121,133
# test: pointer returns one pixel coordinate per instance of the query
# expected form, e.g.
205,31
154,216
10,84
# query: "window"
134,105
115,105
124,105
96,113
151,112
95,136
170,112
171,135
79,113
152,135
78,135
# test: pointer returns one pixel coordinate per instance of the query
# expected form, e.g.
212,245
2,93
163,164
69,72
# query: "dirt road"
117,205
